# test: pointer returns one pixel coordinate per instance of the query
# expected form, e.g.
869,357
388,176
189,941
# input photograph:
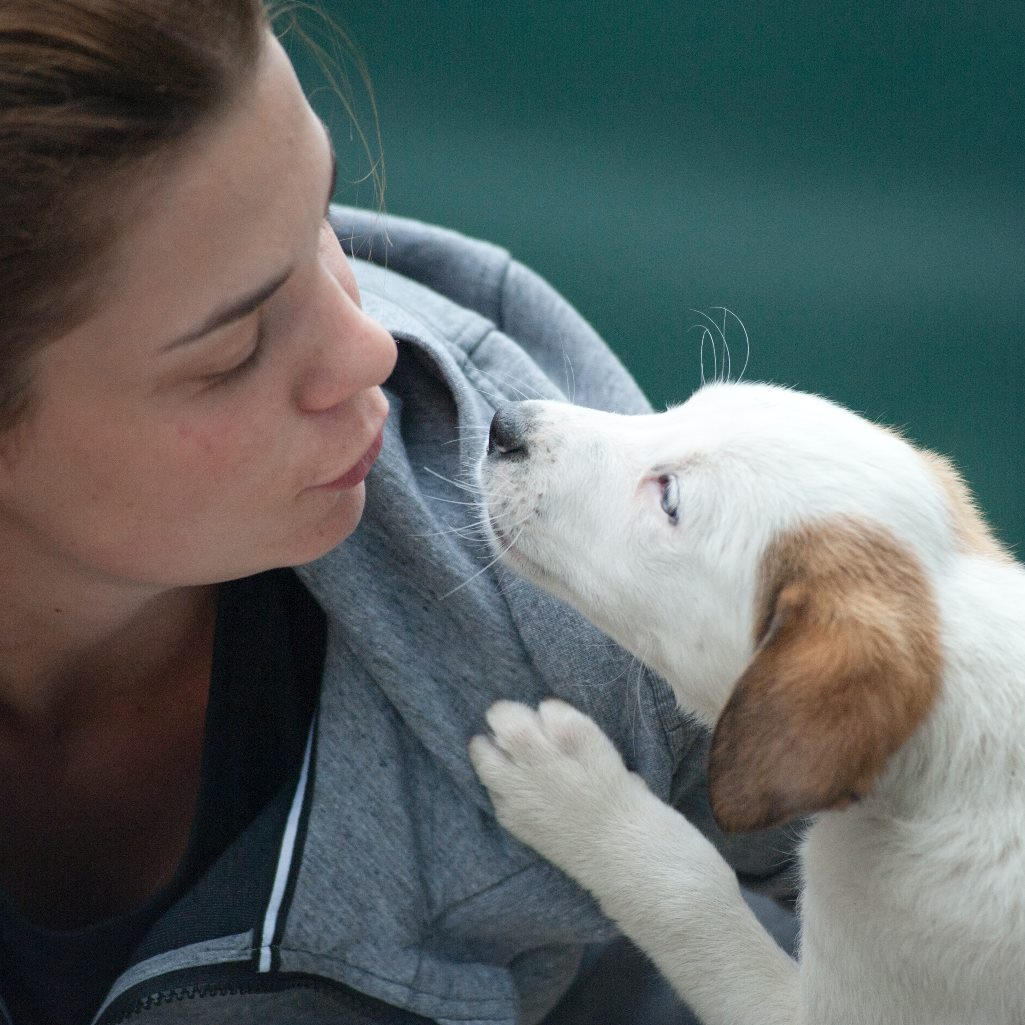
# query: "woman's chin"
338,523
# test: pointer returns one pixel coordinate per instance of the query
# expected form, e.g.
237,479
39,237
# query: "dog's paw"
555,779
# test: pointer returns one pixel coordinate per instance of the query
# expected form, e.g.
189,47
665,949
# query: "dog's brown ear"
847,664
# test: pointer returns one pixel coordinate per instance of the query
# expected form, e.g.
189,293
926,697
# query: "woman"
233,790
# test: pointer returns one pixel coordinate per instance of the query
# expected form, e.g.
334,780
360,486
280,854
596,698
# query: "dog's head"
773,555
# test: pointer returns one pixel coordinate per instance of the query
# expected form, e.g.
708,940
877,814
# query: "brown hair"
88,90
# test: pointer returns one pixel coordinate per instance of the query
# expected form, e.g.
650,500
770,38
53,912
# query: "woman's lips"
351,478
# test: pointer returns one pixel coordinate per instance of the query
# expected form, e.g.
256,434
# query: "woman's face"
219,413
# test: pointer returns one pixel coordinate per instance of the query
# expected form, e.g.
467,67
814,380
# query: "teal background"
847,179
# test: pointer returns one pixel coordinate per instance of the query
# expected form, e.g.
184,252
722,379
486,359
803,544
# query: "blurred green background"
847,179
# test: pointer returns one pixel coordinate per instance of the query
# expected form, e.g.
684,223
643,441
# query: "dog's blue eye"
670,497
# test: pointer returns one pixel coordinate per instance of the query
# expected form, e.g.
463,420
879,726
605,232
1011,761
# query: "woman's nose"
351,353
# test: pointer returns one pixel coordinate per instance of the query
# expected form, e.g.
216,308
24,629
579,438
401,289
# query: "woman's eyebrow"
232,312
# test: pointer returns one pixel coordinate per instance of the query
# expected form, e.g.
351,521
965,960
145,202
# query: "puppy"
825,597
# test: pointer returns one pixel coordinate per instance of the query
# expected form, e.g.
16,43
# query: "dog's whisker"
451,501
747,348
507,383
474,534
722,332
705,335
713,333
571,377
479,434
483,569
462,485
478,532
638,666
728,362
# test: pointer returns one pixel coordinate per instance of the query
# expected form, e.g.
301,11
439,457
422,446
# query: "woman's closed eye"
248,362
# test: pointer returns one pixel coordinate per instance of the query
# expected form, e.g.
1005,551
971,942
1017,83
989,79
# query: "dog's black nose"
508,435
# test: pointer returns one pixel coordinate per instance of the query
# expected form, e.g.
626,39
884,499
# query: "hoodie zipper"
239,981
126,1008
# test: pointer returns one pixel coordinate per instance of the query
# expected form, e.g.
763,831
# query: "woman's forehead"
223,215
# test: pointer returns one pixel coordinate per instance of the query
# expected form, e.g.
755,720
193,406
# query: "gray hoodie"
384,869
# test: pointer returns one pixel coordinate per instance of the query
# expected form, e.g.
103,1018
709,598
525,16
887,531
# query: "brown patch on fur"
973,533
847,665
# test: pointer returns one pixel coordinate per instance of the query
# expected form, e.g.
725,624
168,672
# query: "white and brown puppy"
826,598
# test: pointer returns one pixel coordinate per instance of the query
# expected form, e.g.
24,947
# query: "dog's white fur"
828,600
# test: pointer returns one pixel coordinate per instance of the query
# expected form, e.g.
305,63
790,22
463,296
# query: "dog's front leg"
559,785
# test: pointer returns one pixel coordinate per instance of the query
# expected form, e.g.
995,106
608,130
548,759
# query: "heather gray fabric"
403,885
